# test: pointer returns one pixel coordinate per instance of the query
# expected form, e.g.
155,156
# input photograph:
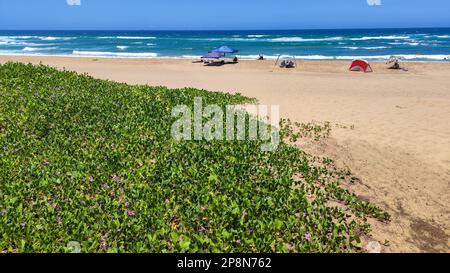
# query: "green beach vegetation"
93,161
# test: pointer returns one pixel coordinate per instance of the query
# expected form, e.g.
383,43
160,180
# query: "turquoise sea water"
424,44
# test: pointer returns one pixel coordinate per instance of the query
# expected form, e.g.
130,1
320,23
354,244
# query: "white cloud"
374,2
73,2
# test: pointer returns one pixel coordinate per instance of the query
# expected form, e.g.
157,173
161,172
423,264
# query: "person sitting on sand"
395,61
396,65
261,58
290,64
235,60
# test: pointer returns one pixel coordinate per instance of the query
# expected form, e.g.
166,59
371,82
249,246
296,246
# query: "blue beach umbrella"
213,55
225,50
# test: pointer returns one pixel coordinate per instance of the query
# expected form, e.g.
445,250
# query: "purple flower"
127,204
202,229
104,245
307,237
202,208
113,195
117,178
244,213
91,179
289,247
238,241
131,213
22,224
46,163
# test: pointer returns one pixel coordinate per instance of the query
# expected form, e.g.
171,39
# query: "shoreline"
85,63
375,58
390,128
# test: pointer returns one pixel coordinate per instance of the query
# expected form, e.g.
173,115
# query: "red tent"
360,65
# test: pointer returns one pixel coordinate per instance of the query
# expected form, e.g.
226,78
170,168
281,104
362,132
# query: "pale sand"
399,147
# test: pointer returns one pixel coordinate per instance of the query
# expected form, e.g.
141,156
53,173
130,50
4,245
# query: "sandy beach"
391,128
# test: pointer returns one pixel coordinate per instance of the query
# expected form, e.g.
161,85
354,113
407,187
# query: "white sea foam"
391,37
226,39
115,54
10,52
374,47
314,57
365,47
122,47
300,39
51,38
9,41
207,39
256,36
443,36
18,37
259,38
135,38
48,38
244,39
191,56
255,57
274,57
6,42
379,57
437,57
405,43
30,49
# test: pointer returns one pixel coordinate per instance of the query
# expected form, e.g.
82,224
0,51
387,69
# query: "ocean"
421,44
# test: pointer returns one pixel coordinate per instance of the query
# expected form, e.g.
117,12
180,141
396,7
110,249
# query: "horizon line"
249,29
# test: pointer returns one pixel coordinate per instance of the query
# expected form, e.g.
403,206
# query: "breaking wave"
390,37
114,54
300,39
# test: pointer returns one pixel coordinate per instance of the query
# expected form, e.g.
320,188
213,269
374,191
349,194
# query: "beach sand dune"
391,128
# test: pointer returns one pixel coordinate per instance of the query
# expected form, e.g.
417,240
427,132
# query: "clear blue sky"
224,14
